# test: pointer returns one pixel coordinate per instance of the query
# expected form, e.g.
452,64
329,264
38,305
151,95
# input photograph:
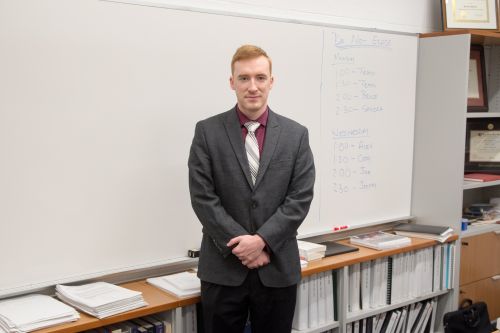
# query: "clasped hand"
250,250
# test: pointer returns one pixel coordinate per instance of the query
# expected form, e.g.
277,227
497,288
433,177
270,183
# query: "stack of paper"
311,251
380,240
101,299
182,284
438,233
33,312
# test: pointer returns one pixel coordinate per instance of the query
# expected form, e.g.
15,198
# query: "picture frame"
477,95
482,145
470,14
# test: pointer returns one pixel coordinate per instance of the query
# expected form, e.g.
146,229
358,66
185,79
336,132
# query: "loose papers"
33,312
182,284
101,299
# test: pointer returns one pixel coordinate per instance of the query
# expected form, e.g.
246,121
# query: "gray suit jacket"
229,205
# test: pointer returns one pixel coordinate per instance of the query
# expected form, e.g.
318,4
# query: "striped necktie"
252,148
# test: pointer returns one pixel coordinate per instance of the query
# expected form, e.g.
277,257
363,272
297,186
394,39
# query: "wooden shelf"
482,37
351,317
468,185
364,254
483,114
318,329
157,300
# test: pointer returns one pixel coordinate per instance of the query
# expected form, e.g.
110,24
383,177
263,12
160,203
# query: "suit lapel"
233,129
273,131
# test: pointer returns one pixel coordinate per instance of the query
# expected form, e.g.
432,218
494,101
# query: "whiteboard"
367,126
96,129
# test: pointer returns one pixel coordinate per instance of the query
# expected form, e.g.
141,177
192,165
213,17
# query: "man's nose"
253,85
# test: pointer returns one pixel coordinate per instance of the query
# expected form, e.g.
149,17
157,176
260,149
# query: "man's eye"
243,79
261,78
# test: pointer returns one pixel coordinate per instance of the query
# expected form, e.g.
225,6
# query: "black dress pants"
226,309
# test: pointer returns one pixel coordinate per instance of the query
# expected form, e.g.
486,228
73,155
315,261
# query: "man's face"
252,81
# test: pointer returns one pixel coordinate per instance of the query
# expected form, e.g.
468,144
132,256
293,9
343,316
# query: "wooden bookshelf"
158,301
364,254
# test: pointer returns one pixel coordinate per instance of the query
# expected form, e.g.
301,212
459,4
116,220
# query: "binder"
365,285
402,320
313,301
425,320
189,319
419,311
421,317
395,279
445,266
369,325
374,282
329,290
385,323
335,295
354,287
436,284
301,315
453,265
321,298
355,327
380,322
393,319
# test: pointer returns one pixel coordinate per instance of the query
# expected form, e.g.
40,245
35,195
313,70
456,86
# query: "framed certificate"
470,14
482,145
477,97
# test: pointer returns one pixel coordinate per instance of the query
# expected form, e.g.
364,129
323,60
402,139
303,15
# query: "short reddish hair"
246,52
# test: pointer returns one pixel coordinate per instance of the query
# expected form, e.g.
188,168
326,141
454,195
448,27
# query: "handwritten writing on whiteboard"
367,116
361,41
356,84
352,160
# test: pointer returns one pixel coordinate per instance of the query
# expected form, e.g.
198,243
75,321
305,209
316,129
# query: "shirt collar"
262,120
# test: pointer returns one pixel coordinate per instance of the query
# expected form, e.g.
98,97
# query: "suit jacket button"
254,205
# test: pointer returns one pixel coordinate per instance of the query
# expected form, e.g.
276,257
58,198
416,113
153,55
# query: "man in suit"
251,179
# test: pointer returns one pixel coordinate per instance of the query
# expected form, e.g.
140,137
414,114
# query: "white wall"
394,15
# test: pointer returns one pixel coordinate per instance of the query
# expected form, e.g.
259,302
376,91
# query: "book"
440,239
158,325
424,229
481,177
144,324
380,240
438,233
334,248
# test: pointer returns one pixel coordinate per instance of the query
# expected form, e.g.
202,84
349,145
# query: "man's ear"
231,82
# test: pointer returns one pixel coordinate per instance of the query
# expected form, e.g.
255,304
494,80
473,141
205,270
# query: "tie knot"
252,126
